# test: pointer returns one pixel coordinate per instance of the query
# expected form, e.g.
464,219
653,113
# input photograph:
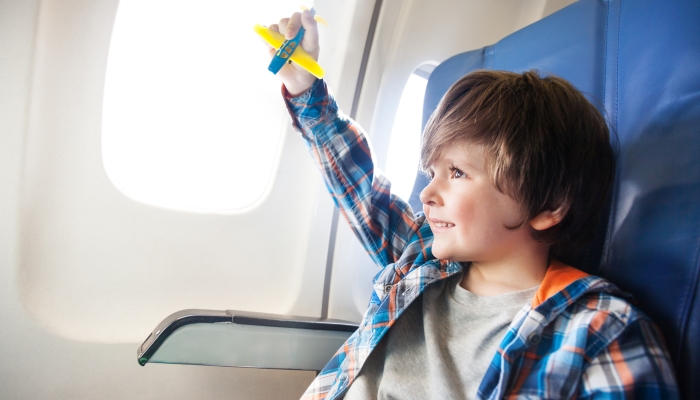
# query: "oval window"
404,145
192,119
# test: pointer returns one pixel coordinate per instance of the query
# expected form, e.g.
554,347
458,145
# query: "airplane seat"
639,61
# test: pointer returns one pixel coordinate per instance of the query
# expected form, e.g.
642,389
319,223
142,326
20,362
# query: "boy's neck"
520,271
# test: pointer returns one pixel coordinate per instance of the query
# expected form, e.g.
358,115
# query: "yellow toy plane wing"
274,39
300,56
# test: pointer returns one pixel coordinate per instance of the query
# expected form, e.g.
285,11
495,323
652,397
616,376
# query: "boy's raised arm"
383,222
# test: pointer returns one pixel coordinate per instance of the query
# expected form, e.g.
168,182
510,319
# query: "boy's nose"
429,195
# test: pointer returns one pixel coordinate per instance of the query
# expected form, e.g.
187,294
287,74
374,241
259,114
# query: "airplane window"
404,145
192,120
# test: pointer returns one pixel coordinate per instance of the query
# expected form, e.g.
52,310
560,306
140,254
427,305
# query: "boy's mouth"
440,224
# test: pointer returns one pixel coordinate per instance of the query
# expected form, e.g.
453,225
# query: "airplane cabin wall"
83,238
87,272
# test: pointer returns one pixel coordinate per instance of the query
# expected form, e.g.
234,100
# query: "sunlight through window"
404,145
192,119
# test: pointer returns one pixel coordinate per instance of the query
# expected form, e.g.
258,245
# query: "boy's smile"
467,214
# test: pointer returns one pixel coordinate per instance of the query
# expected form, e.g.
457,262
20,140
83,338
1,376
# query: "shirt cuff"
311,107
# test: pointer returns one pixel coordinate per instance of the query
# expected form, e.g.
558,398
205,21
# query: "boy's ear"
548,218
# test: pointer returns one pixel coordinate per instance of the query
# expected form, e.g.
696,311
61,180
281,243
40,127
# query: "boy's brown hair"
546,146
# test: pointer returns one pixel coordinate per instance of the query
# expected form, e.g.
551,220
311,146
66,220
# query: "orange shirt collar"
557,277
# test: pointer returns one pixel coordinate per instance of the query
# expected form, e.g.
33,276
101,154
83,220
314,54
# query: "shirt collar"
557,277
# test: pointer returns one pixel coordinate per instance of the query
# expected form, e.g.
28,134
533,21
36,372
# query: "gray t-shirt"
441,347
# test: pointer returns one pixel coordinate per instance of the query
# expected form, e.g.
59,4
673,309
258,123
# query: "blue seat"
639,61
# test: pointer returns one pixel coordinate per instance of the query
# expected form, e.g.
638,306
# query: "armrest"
244,339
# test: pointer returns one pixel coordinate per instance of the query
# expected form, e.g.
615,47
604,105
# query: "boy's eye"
456,172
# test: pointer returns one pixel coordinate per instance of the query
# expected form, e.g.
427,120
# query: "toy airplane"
289,50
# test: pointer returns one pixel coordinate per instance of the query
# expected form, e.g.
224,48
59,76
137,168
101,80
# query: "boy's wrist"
295,90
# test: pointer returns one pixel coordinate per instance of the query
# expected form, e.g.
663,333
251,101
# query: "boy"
471,301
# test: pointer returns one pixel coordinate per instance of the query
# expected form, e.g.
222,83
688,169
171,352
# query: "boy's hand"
296,79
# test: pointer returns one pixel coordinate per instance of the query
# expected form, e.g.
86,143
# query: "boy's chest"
440,347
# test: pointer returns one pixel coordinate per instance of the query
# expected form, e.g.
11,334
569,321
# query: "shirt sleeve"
383,222
635,365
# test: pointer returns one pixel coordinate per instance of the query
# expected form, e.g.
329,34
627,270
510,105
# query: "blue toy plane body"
285,52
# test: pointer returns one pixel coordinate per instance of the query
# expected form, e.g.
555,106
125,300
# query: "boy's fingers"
270,49
282,27
293,26
310,41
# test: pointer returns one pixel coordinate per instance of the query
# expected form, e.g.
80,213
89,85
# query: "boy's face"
467,214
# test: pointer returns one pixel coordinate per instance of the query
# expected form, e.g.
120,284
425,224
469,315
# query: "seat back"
639,61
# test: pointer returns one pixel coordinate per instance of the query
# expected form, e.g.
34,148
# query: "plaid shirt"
579,338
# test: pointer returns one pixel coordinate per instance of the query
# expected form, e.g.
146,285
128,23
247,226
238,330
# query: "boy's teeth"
442,224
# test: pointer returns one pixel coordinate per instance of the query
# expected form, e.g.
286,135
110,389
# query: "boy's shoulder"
604,314
604,300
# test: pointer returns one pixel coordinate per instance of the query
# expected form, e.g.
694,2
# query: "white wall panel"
84,239
82,266
37,364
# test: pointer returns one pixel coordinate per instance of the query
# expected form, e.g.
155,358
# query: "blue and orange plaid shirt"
580,337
